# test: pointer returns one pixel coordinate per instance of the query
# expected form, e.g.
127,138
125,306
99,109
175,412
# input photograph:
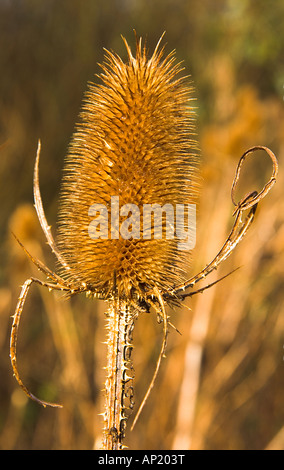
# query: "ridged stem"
119,380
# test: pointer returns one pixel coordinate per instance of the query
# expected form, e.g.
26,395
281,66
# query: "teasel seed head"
136,140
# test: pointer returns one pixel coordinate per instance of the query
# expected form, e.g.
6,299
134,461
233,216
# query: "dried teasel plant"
135,140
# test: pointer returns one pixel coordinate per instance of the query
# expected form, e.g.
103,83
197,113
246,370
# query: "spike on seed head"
134,141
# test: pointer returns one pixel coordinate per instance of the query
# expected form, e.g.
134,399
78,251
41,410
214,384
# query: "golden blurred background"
221,385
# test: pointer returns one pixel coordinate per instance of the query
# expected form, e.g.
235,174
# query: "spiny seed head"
134,141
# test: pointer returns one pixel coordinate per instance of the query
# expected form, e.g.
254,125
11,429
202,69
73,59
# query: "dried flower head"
134,141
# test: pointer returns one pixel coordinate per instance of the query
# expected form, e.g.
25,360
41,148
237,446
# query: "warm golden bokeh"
221,385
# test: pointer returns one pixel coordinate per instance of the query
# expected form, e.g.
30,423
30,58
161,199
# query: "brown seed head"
134,141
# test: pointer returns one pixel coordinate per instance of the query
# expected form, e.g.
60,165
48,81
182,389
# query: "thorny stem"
119,381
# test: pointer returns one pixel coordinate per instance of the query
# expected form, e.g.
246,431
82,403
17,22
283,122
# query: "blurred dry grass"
221,385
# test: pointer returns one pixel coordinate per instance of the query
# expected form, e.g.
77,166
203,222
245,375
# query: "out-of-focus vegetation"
221,386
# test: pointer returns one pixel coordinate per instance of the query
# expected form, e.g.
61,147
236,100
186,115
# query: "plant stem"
119,380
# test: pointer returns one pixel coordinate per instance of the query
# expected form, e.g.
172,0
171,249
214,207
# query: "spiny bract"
135,140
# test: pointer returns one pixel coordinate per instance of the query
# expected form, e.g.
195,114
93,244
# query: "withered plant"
136,140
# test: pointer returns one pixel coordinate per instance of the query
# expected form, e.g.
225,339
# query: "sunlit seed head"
134,140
